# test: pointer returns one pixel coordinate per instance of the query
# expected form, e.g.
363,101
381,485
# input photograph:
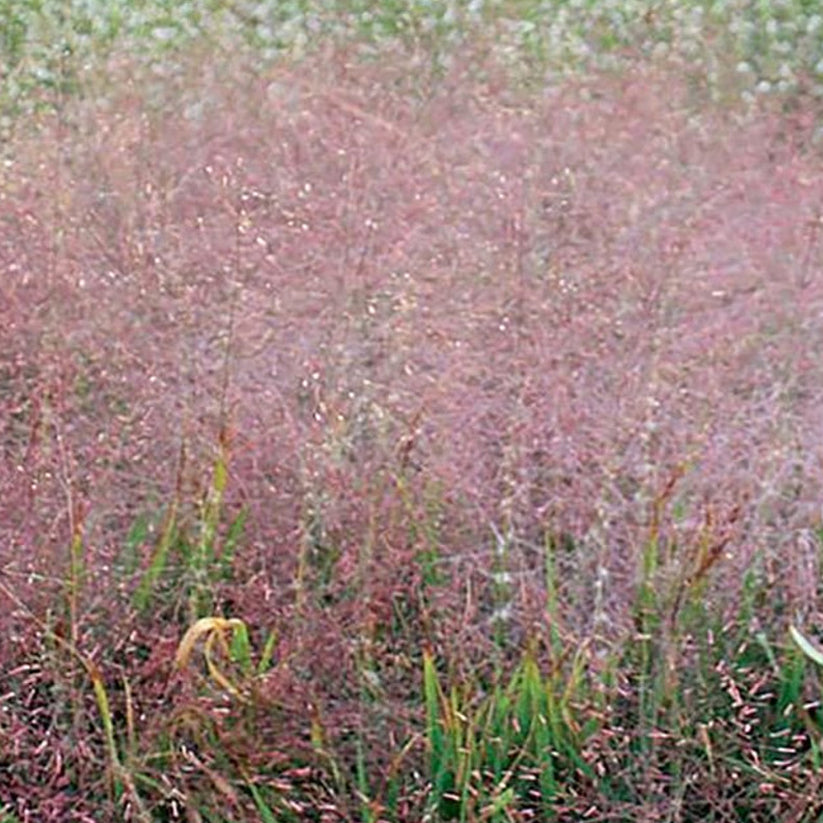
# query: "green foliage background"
773,46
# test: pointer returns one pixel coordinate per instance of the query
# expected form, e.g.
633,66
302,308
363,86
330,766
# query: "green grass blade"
263,809
233,535
431,699
812,651
168,536
266,655
240,648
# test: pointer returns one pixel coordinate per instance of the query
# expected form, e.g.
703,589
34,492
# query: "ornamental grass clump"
461,423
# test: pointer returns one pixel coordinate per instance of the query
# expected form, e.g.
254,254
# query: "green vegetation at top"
770,46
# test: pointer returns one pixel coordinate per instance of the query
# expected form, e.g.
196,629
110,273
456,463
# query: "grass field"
411,411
